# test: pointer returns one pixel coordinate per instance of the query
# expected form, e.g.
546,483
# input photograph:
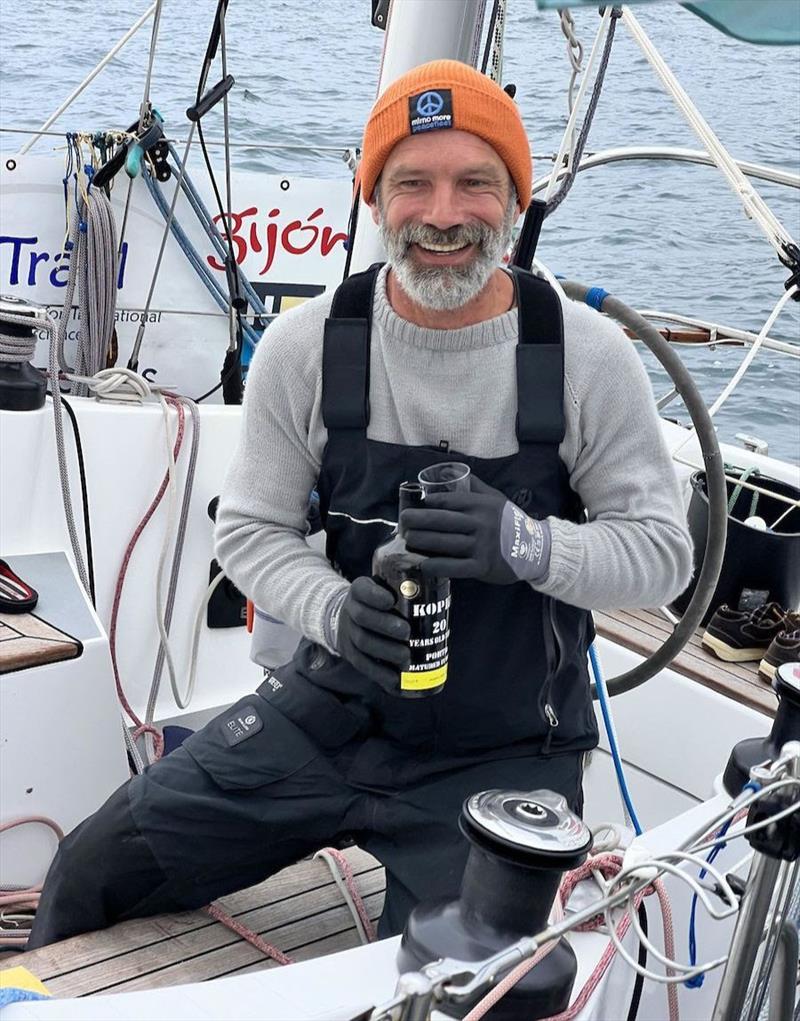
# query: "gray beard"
447,287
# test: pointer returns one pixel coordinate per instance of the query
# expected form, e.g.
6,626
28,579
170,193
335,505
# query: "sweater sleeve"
634,549
261,519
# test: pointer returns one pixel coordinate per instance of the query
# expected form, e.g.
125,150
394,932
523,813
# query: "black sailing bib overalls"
517,681
331,754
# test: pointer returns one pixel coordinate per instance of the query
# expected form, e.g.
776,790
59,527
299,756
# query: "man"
422,361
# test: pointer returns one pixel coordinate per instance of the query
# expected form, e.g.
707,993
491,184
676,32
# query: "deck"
300,910
643,631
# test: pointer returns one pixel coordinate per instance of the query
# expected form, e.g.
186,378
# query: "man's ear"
376,215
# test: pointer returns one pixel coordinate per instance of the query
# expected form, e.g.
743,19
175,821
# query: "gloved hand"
480,534
370,636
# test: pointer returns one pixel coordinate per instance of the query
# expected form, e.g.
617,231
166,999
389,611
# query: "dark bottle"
424,602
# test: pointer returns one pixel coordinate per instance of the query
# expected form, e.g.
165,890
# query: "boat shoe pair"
769,634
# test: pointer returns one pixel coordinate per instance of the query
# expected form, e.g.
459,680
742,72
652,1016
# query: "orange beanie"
446,94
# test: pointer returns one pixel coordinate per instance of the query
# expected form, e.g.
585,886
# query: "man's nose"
444,209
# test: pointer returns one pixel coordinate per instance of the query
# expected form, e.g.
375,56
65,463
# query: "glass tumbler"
446,477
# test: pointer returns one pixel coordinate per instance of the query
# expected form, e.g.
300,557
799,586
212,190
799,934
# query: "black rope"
231,375
489,36
351,232
638,984
563,191
87,525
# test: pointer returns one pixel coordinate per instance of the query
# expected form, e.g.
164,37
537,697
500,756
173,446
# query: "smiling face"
445,208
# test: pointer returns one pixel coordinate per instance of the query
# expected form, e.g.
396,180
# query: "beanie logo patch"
431,110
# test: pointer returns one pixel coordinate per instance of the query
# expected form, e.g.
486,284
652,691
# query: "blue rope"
251,336
595,297
602,694
697,980
207,222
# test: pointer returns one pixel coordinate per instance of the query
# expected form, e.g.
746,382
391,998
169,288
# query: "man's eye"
476,182
412,183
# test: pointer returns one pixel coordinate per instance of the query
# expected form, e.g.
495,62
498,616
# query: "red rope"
247,934
141,727
26,899
608,865
350,882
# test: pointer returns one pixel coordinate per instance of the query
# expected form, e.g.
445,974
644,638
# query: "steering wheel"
715,480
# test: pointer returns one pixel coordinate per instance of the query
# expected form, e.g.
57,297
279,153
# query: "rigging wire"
554,201
754,205
144,115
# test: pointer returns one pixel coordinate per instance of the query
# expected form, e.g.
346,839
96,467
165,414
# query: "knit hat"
446,94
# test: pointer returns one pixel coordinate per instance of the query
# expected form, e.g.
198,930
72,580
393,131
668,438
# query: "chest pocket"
250,745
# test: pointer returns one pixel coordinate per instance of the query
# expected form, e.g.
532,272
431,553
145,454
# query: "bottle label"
426,606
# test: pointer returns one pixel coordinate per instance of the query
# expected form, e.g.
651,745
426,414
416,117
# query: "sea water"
658,235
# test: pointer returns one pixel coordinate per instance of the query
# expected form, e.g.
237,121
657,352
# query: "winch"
521,844
22,387
785,727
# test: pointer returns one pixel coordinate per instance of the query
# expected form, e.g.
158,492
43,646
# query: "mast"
418,31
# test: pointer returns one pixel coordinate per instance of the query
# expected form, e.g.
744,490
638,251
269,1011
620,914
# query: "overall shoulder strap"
345,353
540,361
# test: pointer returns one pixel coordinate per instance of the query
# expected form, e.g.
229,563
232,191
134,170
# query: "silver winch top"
789,673
10,304
530,820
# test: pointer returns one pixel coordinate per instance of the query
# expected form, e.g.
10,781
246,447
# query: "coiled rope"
18,349
92,243
20,900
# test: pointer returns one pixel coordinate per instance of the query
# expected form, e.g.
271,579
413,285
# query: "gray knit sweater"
429,385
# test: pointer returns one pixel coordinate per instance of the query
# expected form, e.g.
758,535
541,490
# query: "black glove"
370,636
480,534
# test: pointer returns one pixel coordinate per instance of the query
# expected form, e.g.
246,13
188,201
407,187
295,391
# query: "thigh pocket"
250,745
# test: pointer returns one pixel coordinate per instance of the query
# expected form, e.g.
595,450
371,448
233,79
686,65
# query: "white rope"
166,545
755,207
117,384
746,361
342,887
569,131
183,701
19,349
538,266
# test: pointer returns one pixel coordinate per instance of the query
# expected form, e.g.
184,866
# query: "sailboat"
119,549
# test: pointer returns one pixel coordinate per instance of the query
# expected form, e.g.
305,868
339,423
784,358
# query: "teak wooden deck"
300,911
643,631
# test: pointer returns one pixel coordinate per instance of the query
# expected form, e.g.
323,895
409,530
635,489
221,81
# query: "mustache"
460,234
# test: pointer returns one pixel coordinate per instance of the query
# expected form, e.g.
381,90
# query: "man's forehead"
460,151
